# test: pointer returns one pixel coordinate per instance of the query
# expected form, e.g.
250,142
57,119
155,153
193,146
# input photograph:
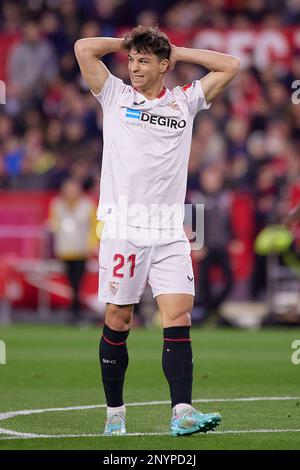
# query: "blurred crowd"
50,126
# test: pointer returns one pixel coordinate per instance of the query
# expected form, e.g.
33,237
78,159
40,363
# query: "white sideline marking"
16,435
23,435
12,414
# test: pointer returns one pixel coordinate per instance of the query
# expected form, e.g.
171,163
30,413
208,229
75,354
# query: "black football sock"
113,362
177,362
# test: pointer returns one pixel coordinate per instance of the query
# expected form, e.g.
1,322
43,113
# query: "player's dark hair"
148,39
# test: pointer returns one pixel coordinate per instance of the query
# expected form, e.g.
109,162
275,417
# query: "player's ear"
164,65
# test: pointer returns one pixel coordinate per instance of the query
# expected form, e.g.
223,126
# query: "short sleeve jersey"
146,152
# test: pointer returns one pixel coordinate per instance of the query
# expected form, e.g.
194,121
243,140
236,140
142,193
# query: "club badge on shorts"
113,286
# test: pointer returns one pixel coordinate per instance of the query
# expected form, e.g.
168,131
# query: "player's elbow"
83,47
79,47
234,65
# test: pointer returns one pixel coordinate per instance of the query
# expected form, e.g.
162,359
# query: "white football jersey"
146,152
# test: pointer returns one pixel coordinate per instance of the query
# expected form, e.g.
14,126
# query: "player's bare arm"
223,67
88,52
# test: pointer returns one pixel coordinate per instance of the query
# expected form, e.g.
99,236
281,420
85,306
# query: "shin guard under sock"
113,362
177,362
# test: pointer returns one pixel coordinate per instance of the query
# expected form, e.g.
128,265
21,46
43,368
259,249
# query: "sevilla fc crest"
174,105
113,286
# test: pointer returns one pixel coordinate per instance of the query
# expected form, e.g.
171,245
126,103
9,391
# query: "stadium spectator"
73,223
216,199
32,65
266,206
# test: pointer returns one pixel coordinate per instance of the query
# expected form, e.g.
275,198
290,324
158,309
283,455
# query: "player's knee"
175,310
118,317
176,318
119,323
182,310
181,318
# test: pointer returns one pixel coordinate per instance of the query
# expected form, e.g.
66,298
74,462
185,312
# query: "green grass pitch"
57,367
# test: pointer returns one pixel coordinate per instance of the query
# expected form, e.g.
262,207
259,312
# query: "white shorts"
127,264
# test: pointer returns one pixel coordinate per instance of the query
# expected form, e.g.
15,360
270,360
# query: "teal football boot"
191,421
115,425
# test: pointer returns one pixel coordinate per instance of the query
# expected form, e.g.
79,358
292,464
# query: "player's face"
145,69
